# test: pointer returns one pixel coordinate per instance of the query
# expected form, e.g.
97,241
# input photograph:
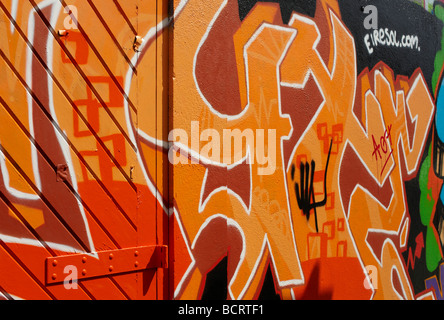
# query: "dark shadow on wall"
268,291
216,284
307,7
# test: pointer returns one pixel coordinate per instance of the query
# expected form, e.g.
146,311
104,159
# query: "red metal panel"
105,263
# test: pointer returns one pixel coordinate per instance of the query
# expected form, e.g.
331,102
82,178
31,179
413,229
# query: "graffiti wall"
346,95
224,149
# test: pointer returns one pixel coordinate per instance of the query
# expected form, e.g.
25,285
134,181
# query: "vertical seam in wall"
156,126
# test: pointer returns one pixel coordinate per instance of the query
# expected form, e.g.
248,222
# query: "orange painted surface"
66,100
92,119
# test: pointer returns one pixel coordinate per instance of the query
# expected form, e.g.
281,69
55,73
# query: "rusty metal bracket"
105,263
62,172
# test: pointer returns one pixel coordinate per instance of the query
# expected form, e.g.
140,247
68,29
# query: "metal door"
82,101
